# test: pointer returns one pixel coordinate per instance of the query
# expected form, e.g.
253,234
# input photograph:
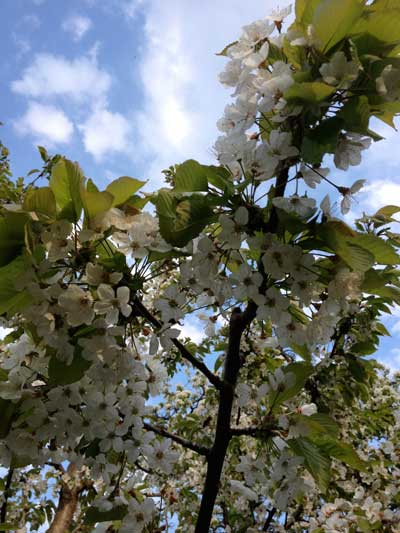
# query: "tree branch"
212,378
3,512
238,322
202,450
67,505
270,516
251,432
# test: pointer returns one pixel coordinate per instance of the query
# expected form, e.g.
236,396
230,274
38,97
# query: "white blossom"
339,71
78,305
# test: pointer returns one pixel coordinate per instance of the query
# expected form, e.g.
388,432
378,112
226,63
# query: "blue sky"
129,87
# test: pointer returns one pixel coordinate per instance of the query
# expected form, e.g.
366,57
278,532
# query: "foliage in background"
282,423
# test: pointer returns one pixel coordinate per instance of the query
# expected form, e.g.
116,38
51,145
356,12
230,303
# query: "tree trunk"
67,505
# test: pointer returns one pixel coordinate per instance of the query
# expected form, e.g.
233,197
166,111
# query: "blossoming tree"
282,423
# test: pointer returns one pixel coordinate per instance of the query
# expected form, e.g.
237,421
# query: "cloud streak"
77,26
178,71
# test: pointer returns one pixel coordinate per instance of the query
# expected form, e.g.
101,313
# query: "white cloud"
182,96
105,132
45,123
192,329
379,193
23,45
50,76
31,21
130,8
394,360
77,26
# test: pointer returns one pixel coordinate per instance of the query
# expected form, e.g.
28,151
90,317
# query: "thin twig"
212,378
202,450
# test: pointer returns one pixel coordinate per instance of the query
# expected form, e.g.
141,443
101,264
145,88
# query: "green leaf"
383,252
387,211
91,186
389,293
136,202
380,328
341,240
43,153
95,203
295,54
333,20
66,182
321,140
41,201
12,236
355,114
190,176
8,527
305,10
302,350
325,423
318,424
94,515
373,279
123,188
62,374
182,218
301,371
377,31
342,451
315,461
8,411
11,298
312,92
386,112
19,461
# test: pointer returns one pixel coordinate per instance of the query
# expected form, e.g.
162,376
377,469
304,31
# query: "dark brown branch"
212,378
251,432
295,518
143,468
202,450
3,512
57,466
238,322
270,516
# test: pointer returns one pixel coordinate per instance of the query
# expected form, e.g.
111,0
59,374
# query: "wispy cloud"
77,26
130,8
54,76
178,70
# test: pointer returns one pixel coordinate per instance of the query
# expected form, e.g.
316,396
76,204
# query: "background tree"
283,424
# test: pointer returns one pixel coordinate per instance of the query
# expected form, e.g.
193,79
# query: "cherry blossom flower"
111,302
339,71
78,305
349,148
348,193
